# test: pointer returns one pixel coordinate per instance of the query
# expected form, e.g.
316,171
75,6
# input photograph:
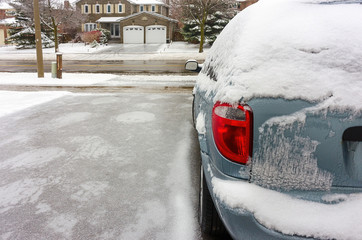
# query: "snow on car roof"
294,49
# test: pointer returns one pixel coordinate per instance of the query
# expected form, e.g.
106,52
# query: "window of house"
153,8
98,8
109,8
120,8
142,8
90,27
86,8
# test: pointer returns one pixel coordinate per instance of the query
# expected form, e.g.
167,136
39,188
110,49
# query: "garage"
156,34
133,34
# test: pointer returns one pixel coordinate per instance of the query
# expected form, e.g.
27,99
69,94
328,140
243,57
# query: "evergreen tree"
191,31
209,15
215,24
22,32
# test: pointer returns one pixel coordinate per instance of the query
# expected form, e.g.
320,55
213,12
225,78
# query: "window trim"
120,5
142,8
88,27
99,8
84,7
153,8
109,7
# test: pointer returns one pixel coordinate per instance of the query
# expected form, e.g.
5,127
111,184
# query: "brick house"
7,13
242,4
129,21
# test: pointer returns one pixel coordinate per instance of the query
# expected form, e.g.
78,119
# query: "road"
100,166
122,66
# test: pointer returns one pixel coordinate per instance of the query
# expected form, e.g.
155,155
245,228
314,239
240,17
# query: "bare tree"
57,14
199,10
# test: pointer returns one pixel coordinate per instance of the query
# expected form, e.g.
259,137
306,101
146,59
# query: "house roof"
140,2
5,6
109,19
146,2
149,13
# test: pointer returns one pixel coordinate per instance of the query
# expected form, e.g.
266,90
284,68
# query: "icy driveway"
94,166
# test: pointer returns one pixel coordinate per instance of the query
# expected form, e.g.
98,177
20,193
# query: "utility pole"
39,50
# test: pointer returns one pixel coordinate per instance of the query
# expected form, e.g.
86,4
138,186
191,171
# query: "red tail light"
233,131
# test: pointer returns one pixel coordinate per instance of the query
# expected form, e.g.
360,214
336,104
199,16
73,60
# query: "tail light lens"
233,131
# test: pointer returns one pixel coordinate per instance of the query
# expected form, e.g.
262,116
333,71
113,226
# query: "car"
278,111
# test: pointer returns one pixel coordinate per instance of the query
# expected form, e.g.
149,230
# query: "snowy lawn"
84,79
68,79
63,47
11,102
113,51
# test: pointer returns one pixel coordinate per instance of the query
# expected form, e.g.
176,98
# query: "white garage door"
156,34
133,34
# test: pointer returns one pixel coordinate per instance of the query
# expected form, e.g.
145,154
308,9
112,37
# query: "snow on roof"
150,13
7,21
146,2
109,19
294,49
5,6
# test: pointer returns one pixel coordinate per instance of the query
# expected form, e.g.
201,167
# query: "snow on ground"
68,79
282,212
11,102
63,48
84,79
113,51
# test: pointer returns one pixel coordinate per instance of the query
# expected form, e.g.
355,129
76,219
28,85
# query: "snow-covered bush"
94,44
106,35
26,39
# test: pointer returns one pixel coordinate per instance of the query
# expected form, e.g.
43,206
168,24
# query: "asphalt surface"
101,66
100,166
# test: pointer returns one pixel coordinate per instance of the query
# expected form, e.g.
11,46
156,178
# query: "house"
242,4
7,18
129,21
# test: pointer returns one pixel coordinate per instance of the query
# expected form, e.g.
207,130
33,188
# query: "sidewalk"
111,52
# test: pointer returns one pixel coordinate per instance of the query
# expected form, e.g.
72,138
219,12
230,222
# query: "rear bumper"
240,224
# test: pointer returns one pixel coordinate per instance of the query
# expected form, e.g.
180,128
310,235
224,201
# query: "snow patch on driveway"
20,192
89,191
63,224
71,118
33,159
152,214
136,117
91,147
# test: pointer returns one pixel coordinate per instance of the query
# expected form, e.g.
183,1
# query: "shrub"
106,35
91,36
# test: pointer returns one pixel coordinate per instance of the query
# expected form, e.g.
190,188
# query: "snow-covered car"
278,111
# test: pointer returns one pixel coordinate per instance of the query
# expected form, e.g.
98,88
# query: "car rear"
279,99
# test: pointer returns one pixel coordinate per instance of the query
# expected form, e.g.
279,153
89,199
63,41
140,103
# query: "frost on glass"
285,160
